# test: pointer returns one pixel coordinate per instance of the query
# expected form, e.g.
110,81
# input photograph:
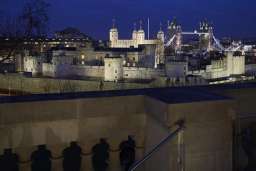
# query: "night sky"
236,18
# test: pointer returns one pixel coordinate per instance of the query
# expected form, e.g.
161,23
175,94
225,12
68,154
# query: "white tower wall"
140,36
134,35
113,69
113,36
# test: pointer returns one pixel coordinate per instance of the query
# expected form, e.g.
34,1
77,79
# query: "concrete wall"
208,134
206,140
56,123
156,130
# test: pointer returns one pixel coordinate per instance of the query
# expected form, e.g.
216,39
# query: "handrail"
156,147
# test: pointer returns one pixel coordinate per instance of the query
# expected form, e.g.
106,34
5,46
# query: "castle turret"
140,35
134,33
113,35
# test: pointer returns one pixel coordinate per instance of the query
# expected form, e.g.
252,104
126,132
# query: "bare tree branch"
32,23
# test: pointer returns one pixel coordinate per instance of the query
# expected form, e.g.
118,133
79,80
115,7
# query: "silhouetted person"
9,161
41,159
127,153
72,157
100,155
101,85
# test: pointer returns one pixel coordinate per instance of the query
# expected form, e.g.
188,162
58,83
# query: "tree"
35,18
31,23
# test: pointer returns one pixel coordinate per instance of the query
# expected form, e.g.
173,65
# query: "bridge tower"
178,42
210,39
160,34
172,28
159,56
205,39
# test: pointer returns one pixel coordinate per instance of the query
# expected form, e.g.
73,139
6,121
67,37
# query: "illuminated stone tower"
134,33
113,70
113,35
140,35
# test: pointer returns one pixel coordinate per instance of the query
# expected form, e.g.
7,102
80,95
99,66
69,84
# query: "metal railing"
158,146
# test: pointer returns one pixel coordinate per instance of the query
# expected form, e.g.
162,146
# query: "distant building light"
82,56
7,39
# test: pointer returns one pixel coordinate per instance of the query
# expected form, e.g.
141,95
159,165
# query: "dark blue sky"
235,18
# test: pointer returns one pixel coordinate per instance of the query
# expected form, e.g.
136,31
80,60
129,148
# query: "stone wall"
88,71
48,85
142,73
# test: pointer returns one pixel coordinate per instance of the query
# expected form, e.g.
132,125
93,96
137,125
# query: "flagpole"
148,28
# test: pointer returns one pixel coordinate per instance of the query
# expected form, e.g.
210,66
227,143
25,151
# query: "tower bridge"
206,34
212,41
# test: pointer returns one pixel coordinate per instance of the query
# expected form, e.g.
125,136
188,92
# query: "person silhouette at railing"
127,153
9,161
41,159
72,157
100,155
